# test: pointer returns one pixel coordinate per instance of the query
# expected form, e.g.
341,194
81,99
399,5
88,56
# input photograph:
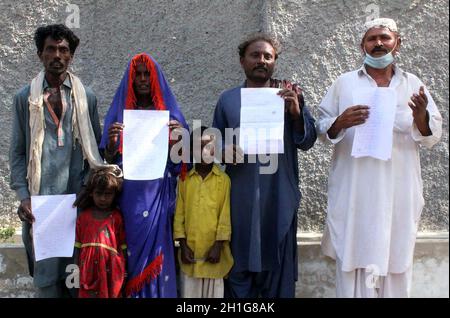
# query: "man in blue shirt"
264,206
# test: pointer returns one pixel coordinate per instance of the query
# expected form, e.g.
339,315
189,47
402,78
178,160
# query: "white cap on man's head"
382,23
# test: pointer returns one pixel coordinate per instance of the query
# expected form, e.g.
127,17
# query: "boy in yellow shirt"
202,224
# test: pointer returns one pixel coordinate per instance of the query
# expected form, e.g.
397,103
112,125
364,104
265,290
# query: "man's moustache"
379,50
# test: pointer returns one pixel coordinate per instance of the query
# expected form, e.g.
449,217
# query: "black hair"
56,32
101,179
259,36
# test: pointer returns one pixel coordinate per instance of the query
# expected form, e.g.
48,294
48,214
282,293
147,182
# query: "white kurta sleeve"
328,113
435,123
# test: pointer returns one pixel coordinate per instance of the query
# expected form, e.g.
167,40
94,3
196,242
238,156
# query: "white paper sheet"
54,226
262,121
374,137
145,144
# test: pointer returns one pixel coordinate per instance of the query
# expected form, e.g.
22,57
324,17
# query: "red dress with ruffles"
102,262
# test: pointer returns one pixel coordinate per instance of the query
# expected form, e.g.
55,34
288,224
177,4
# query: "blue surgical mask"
379,62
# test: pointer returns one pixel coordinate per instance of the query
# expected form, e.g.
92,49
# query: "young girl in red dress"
100,239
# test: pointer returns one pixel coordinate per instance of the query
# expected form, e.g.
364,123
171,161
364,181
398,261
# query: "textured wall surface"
195,42
321,41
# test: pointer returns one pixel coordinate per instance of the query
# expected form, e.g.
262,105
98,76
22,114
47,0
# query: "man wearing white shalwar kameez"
374,206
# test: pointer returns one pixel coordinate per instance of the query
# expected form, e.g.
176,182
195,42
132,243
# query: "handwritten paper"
54,227
145,144
374,137
262,121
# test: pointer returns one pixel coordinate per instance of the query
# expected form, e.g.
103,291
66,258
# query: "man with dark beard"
264,206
